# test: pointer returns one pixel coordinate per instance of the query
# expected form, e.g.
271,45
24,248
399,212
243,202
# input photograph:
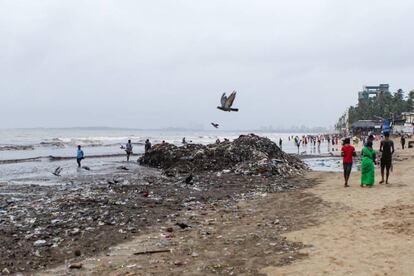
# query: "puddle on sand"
327,164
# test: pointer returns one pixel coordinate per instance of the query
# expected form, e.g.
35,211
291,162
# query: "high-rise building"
368,91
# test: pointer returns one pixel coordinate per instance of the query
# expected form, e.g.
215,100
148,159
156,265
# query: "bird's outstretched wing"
223,100
230,99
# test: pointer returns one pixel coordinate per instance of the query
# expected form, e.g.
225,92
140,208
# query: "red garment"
348,152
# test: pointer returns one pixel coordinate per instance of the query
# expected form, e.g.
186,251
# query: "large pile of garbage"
248,154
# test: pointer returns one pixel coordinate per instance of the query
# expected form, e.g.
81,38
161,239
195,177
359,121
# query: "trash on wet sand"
248,154
183,225
39,243
76,266
153,252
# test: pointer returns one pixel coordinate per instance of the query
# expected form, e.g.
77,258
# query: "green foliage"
385,105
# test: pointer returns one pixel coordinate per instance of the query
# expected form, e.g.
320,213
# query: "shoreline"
52,158
93,212
112,215
304,224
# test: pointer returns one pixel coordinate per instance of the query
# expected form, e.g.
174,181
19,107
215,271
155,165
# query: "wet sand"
238,226
83,216
225,238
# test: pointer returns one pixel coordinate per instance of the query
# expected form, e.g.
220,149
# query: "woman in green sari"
368,165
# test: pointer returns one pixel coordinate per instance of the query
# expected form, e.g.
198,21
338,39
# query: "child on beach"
347,152
79,156
402,141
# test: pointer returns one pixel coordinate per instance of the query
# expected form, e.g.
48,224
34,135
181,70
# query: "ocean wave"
12,161
71,142
53,143
60,158
16,147
99,139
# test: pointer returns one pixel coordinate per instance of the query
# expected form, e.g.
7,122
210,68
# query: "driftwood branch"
153,252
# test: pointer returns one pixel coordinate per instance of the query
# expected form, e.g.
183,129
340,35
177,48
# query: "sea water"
18,164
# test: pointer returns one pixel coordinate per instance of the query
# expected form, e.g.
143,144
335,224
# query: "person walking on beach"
387,150
147,145
79,156
280,143
128,149
370,138
368,165
347,152
403,141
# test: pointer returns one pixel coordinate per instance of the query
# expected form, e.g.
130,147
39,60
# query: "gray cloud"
165,63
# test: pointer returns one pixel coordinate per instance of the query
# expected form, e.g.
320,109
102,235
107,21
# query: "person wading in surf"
128,149
79,156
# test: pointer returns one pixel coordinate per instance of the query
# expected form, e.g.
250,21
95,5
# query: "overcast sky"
148,64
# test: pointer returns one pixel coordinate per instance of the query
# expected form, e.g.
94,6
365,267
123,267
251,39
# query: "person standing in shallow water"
387,150
280,143
347,152
128,149
147,145
297,143
368,165
79,156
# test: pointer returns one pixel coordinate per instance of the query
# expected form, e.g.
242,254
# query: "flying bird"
215,125
227,102
58,171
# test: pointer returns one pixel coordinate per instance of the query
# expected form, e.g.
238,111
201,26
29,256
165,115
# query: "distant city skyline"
293,129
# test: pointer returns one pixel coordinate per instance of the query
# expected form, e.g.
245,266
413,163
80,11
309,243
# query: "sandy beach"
322,228
132,220
206,138
369,233
82,215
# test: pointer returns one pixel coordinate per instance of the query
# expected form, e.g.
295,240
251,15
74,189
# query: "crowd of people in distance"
315,140
348,153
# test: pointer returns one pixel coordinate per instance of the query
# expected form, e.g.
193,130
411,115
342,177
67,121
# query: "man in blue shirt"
79,156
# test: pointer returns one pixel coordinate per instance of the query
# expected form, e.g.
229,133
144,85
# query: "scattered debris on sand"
49,224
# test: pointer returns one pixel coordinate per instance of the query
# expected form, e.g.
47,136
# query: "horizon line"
291,129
